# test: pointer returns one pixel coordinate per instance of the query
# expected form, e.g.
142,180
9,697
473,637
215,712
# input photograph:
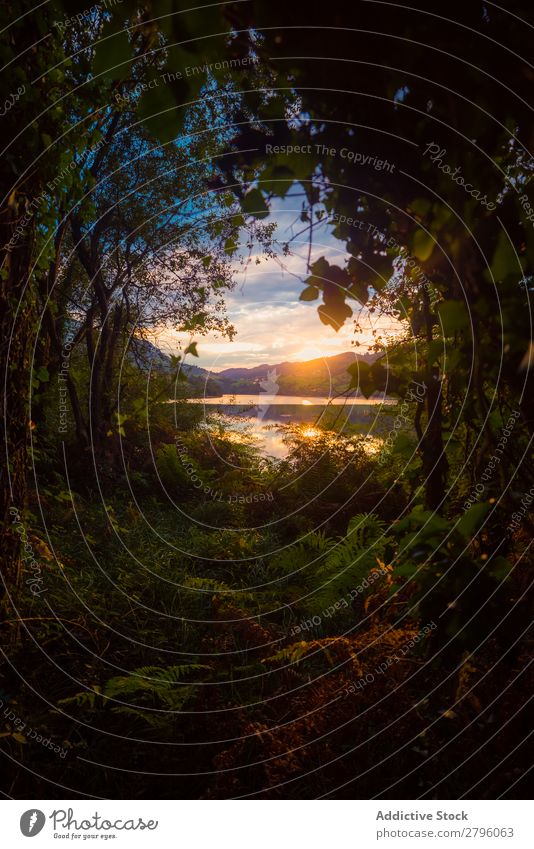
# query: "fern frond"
86,699
292,653
308,551
154,679
348,562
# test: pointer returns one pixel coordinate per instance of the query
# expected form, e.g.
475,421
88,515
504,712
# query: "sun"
310,352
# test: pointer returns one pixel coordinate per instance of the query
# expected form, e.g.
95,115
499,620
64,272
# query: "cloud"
272,324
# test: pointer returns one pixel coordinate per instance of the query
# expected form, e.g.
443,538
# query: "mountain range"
324,376
319,377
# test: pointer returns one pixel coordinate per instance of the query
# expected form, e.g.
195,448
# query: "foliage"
139,541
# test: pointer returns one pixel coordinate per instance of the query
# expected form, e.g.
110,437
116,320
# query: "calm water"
264,399
261,416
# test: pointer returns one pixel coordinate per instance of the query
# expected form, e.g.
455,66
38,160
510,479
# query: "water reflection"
288,400
269,429
310,432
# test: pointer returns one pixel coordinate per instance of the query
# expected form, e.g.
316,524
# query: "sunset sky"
272,324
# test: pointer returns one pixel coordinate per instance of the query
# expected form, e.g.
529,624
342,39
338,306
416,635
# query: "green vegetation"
183,616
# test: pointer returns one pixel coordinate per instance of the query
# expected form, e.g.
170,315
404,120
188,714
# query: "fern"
86,699
156,684
291,654
308,551
348,562
331,649
206,585
209,587
364,541
170,468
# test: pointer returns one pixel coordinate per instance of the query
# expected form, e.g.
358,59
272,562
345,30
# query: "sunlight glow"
373,445
306,402
310,432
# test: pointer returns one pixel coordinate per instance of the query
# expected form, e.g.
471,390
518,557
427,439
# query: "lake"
259,415
262,399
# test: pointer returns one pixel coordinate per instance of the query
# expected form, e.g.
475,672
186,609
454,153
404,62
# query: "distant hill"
319,377
149,356
322,376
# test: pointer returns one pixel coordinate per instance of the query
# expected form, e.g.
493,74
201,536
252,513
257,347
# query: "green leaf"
436,349
334,314
192,349
499,568
277,179
310,293
112,55
453,316
254,204
403,445
423,245
42,374
359,291
471,519
230,246
406,570
320,268
157,108
420,206
504,260
362,378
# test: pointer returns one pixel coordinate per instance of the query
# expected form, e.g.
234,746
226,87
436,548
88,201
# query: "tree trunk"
18,320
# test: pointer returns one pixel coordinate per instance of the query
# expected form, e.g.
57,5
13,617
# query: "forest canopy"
363,590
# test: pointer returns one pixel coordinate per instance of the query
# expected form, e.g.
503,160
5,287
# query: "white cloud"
272,324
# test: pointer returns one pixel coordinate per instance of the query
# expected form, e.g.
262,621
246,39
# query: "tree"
434,165
67,64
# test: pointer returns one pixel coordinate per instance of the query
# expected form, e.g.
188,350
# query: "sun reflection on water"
273,438
310,432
